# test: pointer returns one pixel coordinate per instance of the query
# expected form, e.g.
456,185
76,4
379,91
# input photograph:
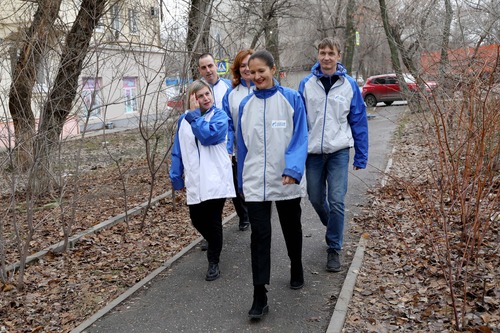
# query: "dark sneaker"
333,262
213,272
204,245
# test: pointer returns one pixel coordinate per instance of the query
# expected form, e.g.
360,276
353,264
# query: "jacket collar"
316,70
244,84
266,93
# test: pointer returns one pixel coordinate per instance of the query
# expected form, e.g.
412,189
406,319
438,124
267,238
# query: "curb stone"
341,307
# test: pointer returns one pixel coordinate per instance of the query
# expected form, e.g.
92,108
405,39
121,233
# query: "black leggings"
289,212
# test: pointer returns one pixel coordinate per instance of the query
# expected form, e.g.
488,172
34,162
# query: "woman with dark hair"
272,151
242,86
201,167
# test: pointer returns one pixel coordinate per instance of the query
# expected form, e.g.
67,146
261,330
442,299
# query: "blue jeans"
329,172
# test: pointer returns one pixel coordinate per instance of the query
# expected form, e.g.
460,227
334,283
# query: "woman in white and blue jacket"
201,166
242,86
271,151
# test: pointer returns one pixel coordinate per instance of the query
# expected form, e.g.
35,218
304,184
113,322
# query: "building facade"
122,79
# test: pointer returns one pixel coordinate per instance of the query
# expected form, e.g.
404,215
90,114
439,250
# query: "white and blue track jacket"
271,143
231,104
336,119
219,90
200,155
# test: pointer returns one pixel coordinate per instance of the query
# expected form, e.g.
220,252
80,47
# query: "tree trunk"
63,92
33,47
350,40
390,39
198,34
391,33
271,32
443,61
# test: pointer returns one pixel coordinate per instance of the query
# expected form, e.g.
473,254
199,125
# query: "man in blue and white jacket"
336,117
219,85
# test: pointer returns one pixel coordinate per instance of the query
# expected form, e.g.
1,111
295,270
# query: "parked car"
385,88
176,102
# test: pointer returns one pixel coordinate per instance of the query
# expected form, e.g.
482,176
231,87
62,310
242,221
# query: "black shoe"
259,305
296,276
295,285
204,245
333,262
213,272
244,225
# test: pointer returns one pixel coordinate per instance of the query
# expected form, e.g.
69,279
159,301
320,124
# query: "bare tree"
63,92
34,43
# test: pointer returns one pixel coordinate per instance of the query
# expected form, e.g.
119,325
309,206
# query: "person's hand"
193,102
287,180
356,168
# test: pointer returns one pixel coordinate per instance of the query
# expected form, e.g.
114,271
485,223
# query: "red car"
176,102
385,88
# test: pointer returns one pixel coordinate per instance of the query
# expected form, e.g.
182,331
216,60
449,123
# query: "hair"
264,55
194,88
235,68
204,55
330,42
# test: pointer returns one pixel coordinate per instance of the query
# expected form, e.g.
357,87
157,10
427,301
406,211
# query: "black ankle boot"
213,272
259,305
296,276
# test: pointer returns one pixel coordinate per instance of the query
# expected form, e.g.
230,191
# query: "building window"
91,96
115,20
42,76
130,94
99,26
132,21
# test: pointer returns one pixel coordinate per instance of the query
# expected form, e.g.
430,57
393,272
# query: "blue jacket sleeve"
211,132
230,129
296,153
177,168
301,91
359,127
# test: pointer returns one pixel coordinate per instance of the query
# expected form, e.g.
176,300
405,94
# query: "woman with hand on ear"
201,166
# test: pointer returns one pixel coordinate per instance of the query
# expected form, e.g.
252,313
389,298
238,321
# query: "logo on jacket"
278,124
340,99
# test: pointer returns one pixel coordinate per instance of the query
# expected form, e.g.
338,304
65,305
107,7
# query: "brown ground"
399,289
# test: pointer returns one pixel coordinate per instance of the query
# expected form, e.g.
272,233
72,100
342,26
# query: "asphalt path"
178,299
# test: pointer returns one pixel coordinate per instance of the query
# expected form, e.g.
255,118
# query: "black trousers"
239,201
207,219
289,212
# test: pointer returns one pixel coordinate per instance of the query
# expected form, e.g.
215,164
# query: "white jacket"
200,161
231,104
272,143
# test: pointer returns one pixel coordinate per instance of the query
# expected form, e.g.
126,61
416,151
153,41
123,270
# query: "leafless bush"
459,203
